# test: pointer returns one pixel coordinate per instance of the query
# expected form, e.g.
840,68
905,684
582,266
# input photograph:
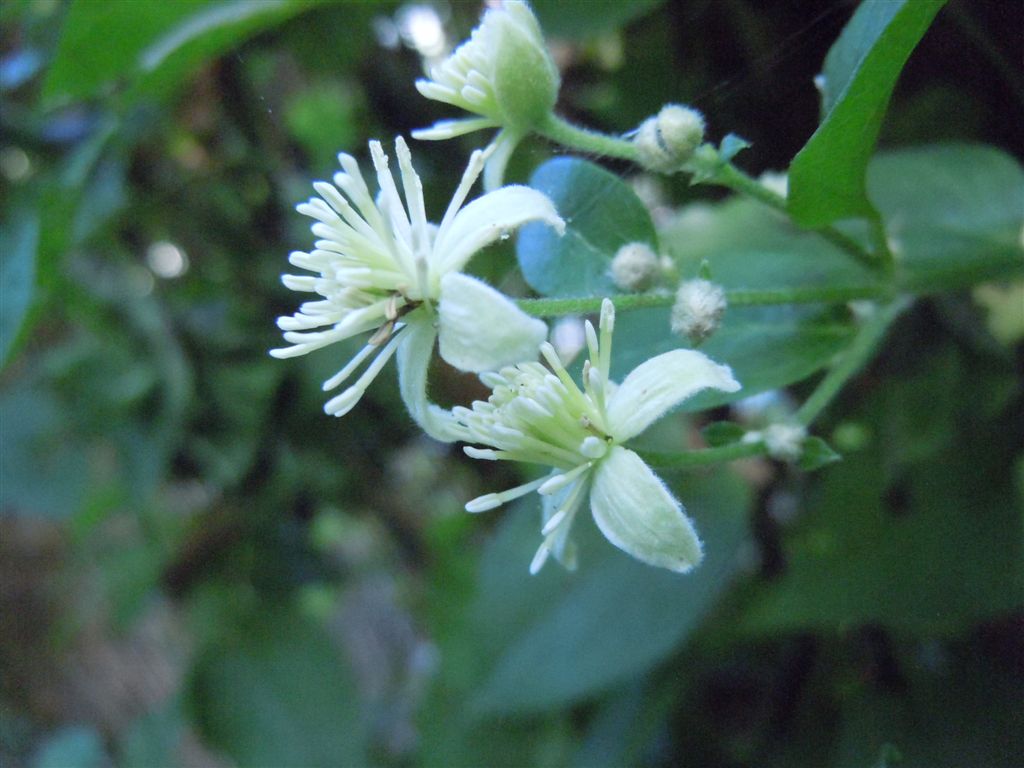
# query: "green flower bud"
503,74
526,79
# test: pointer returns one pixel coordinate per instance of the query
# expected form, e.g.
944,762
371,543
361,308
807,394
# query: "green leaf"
920,530
601,215
748,246
766,347
17,275
708,162
44,470
111,37
150,44
278,694
954,214
964,710
816,454
587,18
559,637
827,175
720,433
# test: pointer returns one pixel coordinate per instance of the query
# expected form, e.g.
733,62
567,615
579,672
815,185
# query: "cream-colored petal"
659,384
414,352
481,330
638,514
490,218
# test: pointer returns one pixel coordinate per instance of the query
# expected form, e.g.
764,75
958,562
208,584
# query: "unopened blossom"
784,441
667,140
539,415
634,267
503,75
698,309
380,268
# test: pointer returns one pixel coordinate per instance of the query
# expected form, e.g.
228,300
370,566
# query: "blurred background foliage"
199,568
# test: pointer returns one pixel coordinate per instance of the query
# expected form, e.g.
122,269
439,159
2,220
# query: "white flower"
541,416
503,74
382,268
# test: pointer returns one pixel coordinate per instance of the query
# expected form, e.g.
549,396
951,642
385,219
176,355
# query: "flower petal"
636,513
489,218
481,329
414,352
661,383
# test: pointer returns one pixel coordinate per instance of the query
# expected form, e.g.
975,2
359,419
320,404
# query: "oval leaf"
280,695
601,215
953,213
861,69
559,637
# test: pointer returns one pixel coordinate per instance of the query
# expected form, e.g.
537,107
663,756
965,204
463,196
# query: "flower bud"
784,442
503,73
634,267
526,79
668,140
698,309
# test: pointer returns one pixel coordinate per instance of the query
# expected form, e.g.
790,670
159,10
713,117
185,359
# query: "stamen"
591,336
593,447
423,278
607,326
484,503
413,187
481,453
350,367
539,559
473,171
382,334
493,500
555,521
344,402
558,482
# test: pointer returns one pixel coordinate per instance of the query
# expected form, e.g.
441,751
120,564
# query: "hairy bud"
665,142
635,267
698,309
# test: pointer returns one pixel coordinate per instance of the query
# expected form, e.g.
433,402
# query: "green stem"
732,177
880,239
739,297
703,456
585,140
852,360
